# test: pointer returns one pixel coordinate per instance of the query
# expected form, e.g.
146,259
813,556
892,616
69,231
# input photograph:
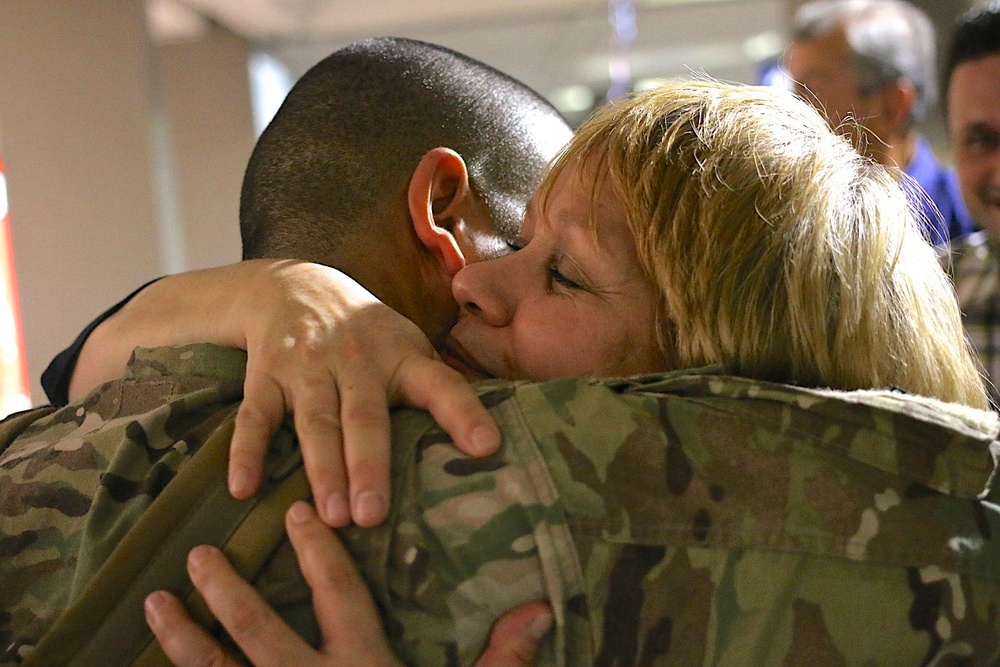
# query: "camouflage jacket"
680,519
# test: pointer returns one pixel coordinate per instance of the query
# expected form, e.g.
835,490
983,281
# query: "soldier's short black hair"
976,35
350,133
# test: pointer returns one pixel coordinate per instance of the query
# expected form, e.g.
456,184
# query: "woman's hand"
319,346
325,349
351,631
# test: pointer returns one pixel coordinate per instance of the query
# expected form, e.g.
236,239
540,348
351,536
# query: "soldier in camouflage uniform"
688,518
406,107
627,503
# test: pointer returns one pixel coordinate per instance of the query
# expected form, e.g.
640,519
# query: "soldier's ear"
439,198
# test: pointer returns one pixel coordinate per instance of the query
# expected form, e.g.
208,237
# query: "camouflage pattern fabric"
679,519
74,481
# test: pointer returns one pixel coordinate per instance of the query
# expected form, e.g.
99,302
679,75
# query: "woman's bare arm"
319,346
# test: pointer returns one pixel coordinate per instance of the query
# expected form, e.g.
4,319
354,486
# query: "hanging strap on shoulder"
14,424
106,625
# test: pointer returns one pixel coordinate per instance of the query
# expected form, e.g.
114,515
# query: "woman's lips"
456,356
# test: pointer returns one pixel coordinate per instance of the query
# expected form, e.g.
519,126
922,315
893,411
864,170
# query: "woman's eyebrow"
582,248
571,218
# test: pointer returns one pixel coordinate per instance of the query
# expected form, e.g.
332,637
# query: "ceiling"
562,48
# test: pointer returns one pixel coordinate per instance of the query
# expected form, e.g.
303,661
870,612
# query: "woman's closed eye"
560,278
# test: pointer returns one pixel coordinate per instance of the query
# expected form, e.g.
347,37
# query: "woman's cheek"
545,353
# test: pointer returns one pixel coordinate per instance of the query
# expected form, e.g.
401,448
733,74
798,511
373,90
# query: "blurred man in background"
869,66
972,89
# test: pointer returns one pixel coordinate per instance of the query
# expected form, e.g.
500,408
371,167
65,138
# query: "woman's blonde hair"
781,253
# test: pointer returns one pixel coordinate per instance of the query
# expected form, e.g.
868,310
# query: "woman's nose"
486,290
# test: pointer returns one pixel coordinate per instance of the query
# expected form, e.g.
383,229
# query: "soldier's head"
704,223
972,87
868,65
395,161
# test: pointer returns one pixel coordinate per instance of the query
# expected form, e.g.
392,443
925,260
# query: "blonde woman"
734,514
773,250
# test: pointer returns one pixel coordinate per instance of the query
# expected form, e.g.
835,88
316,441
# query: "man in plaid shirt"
972,86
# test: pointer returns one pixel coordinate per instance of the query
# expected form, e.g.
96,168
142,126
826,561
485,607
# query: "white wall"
123,162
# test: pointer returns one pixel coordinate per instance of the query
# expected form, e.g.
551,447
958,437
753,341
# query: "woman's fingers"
323,347
185,642
517,636
344,608
257,418
248,619
367,447
430,385
316,409
348,620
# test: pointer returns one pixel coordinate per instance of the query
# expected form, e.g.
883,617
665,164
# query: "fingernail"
197,556
369,508
337,510
485,439
541,625
153,605
300,512
240,483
